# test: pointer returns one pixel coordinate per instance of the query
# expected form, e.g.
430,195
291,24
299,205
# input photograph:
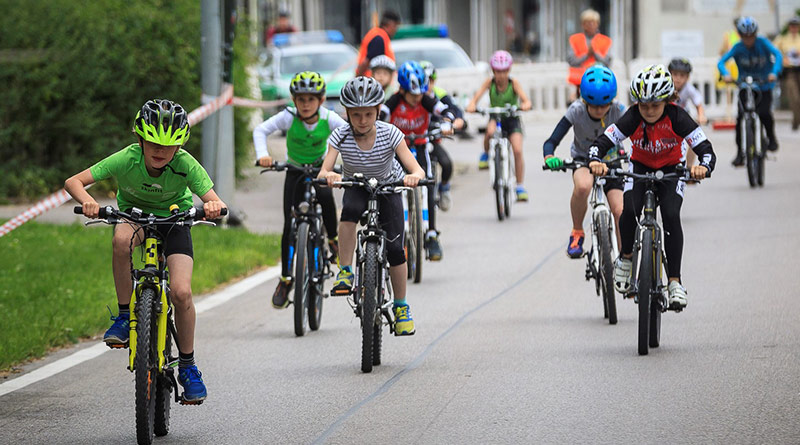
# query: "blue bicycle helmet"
747,25
412,78
598,86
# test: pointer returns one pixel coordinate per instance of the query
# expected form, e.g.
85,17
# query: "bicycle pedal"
191,402
117,345
340,293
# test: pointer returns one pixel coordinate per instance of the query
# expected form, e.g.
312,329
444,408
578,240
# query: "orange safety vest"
387,47
600,44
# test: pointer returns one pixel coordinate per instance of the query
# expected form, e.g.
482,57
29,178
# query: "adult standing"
789,45
587,48
377,42
283,25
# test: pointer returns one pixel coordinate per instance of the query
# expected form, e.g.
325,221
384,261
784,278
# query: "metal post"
211,78
225,181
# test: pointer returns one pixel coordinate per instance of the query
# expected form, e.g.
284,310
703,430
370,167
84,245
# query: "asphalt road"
511,345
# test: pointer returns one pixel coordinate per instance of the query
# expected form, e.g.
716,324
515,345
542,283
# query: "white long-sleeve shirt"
283,120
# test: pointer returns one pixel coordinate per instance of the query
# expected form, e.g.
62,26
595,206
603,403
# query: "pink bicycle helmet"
501,60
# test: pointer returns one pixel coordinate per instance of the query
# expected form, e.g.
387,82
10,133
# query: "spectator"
377,42
587,48
283,25
789,45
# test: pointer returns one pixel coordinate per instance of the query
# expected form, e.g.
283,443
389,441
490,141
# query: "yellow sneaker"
403,324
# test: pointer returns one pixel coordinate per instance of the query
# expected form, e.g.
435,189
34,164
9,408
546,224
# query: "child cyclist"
442,158
755,57
410,110
371,147
153,175
588,116
307,127
383,68
657,129
503,90
687,94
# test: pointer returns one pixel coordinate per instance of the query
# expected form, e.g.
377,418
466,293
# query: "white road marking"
208,303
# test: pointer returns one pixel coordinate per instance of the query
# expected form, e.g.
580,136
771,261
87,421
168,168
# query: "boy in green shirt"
152,175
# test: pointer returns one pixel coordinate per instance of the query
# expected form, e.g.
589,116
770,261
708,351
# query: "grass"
55,280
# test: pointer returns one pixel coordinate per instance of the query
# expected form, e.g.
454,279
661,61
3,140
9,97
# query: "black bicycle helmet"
680,64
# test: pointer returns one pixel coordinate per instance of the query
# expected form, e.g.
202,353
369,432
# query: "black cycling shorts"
176,239
354,203
511,125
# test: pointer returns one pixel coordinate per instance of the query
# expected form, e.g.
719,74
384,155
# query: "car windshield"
328,61
440,58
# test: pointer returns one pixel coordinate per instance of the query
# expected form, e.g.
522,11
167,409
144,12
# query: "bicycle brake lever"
95,221
204,223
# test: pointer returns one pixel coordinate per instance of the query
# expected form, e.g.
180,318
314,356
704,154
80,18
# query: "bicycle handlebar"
509,110
681,174
572,164
375,184
188,217
310,170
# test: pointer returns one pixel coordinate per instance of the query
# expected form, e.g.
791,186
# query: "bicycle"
501,159
372,297
152,329
750,130
415,204
600,257
308,252
649,289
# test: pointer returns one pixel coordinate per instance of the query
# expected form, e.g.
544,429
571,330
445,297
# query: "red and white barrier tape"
195,117
51,202
252,103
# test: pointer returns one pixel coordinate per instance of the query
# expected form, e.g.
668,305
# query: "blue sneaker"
119,331
522,194
483,161
194,390
575,247
403,324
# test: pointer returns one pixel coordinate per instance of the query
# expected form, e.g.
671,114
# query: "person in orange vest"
377,42
587,48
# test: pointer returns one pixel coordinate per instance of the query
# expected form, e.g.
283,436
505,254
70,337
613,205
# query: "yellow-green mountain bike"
152,329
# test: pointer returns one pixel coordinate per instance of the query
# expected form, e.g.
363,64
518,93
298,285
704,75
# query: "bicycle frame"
648,225
600,211
499,146
750,115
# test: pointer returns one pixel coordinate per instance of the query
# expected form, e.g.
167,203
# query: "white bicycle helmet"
652,84
382,61
361,91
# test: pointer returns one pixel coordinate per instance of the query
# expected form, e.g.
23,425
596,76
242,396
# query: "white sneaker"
622,275
677,296
444,200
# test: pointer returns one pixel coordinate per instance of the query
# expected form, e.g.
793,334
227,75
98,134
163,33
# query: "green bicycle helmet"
162,122
307,82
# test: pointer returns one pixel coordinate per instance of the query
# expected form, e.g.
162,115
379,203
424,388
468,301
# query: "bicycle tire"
606,272
369,293
317,290
750,153
419,235
499,192
761,158
645,283
508,194
302,280
163,395
377,340
144,367
656,304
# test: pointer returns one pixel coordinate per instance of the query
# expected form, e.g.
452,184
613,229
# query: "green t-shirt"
500,99
182,177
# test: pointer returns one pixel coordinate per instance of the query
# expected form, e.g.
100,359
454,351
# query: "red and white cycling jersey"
414,119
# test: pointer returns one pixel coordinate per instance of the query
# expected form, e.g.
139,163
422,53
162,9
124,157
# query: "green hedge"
75,72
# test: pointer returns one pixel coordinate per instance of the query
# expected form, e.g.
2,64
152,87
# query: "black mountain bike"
152,329
372,291
600,257
308,252
753,133
649,288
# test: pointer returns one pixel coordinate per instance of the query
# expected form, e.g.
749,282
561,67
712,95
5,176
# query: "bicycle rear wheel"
302,279
369,299
606,272
163,395
145,373
645,285
316,270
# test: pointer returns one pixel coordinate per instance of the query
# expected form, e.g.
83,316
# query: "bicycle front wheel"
302,279
606,272
145,372
417,232
750,152
499,187
369,300
645,287
317,290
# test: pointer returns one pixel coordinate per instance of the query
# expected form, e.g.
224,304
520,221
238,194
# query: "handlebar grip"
319,181
257,164
426,182
78,210
200,212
